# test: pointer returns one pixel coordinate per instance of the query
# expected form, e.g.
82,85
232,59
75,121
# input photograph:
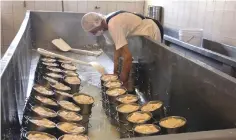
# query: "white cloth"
126,25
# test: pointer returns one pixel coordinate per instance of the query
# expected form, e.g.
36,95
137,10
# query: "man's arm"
118,34
127,63
117,55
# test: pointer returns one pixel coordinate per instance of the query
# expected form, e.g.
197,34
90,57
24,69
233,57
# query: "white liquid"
98,67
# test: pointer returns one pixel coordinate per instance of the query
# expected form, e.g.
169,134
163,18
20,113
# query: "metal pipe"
62,6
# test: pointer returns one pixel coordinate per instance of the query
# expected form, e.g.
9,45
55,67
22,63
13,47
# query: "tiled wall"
216,17
12,12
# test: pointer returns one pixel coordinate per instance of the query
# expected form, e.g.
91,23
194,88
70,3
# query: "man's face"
95,30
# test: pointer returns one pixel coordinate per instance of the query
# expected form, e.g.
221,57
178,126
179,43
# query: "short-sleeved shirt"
126,25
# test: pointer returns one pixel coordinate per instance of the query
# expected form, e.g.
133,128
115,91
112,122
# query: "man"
120,25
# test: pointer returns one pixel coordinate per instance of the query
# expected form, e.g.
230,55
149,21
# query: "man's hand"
127,63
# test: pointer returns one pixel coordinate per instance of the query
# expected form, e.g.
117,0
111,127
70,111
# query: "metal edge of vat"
14,44
228,134
202,64
220,48
12,100
208,53
223,134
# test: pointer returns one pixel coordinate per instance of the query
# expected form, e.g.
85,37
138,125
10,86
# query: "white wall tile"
175,13
229,41
204,16
97,6
1,42
228,23
202,5
219,4
216,17
139,5
7,21
102,7
71,6
3,49
59,6
17,25
157,2
82,6
40,5
8,36
201,13
217,21
188,18
19,15
230,5
208,21
111,7
121,6
145,10
194,14
30,5
6,7
127,6
234,29
182,20
18,6
210,6
53,6
91,6
180,15
167,17
18,10
169,5
130,6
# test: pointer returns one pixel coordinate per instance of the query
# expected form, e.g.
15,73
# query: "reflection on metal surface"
34,61
15,66
178,81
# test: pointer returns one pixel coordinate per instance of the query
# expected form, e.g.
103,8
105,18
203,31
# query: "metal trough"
205,96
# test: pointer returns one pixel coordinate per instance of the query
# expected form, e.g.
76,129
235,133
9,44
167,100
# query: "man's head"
94,23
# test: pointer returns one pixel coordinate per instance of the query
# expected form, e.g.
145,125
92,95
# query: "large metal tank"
188,87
